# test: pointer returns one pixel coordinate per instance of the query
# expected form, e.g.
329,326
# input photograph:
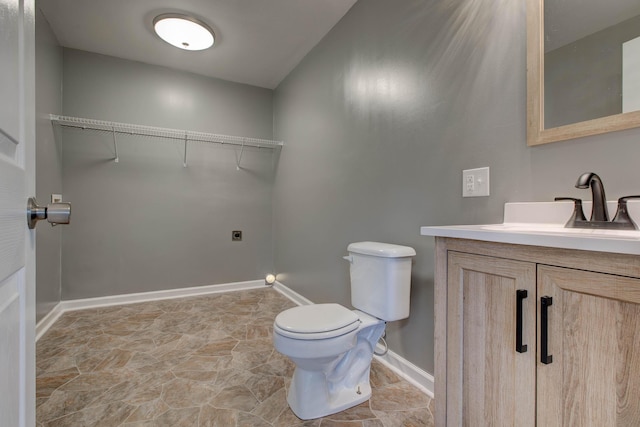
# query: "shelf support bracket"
184,161
239,159
115,145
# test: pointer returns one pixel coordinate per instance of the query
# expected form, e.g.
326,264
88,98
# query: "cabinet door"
489,383
593,378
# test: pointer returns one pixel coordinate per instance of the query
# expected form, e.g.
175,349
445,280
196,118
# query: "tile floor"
202,361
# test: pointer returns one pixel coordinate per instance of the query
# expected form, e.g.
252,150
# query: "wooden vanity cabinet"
489,374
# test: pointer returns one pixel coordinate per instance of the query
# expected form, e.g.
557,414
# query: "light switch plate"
475,182
56,198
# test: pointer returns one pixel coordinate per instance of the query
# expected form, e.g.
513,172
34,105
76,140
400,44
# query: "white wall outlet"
475,182
56,198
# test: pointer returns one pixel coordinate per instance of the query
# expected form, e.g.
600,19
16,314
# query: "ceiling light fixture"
184,32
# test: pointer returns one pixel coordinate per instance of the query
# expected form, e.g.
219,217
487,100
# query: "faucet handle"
578,213
622,215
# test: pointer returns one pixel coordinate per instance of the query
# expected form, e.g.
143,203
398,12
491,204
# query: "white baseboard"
81,304
418,377
47,321
291,294
407,370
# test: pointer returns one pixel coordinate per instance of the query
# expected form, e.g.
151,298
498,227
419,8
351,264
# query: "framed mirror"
583,68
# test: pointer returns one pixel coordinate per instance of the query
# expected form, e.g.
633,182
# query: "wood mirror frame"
536,132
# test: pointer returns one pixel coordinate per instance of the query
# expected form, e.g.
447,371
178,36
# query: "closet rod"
182,135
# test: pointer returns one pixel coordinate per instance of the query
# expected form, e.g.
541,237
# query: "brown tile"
184,417
398,397
140,345
413,418
122,330
131,391
182,393
218,348
204,376
205,360
165,338
164,365
40,401
258,345
258,331
235,397
140,360
64,403
237,332
288,419
144,317
357,413
95,380
381,375
44,351
116,359
276,365
272,408
204,363
373,423
87,361
263,386
213,417
249,360
109,415
232,377
191,342
65,321
64,360
148,411
175,356
214,333
325,422
250,420
49,382
105,342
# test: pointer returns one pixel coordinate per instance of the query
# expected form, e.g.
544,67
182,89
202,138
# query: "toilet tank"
381,279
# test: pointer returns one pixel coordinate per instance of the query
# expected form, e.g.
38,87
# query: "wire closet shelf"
185,136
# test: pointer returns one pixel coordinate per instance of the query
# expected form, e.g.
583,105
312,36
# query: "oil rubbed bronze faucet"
599,209
599,213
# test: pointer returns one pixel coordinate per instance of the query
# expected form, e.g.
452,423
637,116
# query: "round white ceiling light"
184,32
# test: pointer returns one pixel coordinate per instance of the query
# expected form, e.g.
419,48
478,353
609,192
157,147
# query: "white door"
17,242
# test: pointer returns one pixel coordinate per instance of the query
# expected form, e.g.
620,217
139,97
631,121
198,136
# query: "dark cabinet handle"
521,294
545,357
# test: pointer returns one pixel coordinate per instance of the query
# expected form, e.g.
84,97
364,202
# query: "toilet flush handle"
348,258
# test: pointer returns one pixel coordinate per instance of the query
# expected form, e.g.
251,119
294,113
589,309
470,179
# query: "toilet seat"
316,321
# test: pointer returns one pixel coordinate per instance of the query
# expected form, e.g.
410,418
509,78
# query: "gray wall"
381,118
146,223
583,80
48,164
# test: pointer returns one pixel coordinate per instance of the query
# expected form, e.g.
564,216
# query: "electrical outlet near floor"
475,182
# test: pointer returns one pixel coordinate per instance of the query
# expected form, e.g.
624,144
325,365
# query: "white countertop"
542,224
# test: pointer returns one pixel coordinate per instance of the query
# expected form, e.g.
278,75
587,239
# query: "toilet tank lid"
384,250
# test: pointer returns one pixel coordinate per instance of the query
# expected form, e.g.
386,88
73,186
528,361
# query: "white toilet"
332,346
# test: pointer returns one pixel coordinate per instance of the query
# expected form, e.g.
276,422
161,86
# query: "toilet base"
320,389
317,401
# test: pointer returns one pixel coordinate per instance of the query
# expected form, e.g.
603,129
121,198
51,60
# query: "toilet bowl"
332,346
332,366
